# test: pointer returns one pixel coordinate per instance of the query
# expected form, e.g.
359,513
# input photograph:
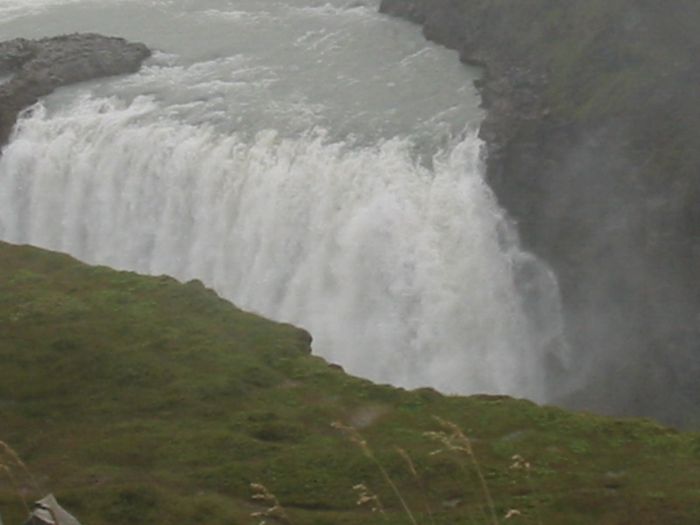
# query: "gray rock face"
593,121
40,66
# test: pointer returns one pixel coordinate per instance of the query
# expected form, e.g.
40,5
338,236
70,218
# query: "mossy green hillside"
142,400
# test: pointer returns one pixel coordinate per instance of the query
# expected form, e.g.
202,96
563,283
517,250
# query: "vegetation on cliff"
142,400
593,116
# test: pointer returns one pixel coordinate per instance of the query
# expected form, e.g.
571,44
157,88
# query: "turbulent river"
312,161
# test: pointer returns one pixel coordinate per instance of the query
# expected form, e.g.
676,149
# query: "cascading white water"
373,230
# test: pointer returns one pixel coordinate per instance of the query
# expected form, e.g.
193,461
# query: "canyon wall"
592,131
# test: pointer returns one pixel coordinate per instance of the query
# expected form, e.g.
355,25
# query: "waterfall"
404,269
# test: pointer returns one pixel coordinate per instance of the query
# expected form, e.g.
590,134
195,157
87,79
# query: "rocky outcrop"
593,121
40,66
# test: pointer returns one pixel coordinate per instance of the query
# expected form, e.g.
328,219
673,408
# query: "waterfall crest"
404,271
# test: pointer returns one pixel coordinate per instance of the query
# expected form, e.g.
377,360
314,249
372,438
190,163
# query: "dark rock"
592,126
40,66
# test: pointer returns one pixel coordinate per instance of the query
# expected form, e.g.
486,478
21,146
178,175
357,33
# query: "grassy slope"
142,400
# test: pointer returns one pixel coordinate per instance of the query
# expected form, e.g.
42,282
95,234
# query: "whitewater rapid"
331,206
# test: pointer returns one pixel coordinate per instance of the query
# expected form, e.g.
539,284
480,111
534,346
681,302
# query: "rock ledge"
40,66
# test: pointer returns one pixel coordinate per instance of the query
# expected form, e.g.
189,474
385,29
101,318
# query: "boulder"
38,67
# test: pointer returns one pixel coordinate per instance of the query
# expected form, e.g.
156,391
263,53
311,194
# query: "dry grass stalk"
9,462
357,438
366,497
15,486
520,464
419,481
274,510
7,451
454,440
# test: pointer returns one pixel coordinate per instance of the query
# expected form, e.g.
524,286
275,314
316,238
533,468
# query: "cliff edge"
138,399
593,117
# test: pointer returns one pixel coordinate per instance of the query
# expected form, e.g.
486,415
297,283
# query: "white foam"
296,156
403,274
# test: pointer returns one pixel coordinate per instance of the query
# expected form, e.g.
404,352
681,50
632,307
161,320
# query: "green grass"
142,400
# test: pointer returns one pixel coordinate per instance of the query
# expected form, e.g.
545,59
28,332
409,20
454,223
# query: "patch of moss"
142,400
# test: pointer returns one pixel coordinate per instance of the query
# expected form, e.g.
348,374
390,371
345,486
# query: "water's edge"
446,290
30,69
